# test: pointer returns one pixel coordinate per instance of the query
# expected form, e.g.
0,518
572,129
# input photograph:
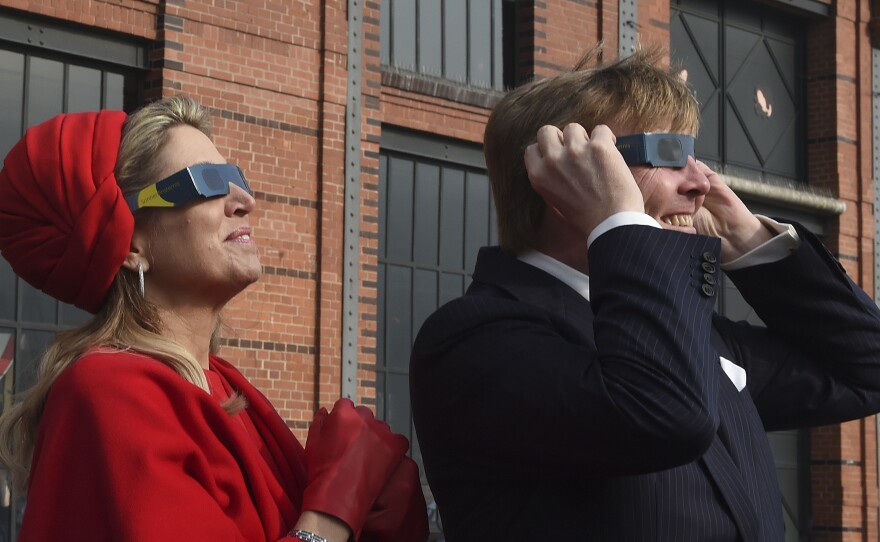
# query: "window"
745,63
35,85
435,212
458,40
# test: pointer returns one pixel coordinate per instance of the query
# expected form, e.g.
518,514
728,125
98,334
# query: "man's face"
672,195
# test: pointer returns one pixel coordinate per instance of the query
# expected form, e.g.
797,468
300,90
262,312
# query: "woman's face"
202,253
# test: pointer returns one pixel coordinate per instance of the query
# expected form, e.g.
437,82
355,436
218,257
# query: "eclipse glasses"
657,150
204,180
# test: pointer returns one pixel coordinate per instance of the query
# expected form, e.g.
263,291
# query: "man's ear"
137,253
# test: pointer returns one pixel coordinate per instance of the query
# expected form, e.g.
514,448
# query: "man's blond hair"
635,92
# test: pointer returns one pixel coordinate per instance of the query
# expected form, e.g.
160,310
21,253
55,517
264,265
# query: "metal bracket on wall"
627,27
875,140
352,218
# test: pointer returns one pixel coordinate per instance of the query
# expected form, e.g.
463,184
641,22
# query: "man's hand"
582,176
724,215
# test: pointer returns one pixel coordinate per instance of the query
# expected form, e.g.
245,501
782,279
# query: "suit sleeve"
512,392
818,360
132,453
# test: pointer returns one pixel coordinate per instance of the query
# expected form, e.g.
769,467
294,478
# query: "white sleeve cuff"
781,245
624,218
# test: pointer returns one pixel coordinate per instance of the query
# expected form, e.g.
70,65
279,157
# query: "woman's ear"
137,254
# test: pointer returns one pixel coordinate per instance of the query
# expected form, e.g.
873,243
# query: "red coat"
129,451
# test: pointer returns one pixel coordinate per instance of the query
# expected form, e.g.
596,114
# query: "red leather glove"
349,457
399,513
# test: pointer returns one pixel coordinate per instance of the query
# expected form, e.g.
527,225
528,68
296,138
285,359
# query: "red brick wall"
136,18
839,158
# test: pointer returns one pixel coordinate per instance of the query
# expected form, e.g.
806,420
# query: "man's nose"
695,182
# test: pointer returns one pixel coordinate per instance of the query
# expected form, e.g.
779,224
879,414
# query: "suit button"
710,279
708,267
709,257
708,291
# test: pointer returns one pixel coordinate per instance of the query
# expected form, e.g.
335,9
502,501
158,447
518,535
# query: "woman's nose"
239,201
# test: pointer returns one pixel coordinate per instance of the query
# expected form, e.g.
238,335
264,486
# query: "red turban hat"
64,224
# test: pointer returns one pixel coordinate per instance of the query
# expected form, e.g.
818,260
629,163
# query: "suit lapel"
726,475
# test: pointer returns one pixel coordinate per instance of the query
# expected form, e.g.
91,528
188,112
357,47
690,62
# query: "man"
583,388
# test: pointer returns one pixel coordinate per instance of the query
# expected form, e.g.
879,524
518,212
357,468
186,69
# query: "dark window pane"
399,209
437,202
11,101
424,297
397,404
451,219
734,306
743,14
385,28
476,218
739,43
764,106
398,316
783,158
72,316
31,345
498,23
36,306
382,315
459,40
380,395
455,46
403,34
383,202
695,39
480,44
708,144
115,91
7,381
46,90
709,8
7,355
785,55
427,214
745,65
451,286
740,150
7,291
430,38
83,89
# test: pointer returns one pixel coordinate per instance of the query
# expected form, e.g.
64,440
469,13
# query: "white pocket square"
734,372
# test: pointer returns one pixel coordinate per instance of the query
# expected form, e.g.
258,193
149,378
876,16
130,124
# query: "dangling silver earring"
141,278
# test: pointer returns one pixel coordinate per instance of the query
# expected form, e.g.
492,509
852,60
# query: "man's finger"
603,132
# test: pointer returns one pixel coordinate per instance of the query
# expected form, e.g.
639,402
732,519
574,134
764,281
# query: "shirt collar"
576,280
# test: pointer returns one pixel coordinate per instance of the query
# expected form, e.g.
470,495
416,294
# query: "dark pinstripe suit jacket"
541,416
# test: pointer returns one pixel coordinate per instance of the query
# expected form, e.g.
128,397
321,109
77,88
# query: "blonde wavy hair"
634,92
126,321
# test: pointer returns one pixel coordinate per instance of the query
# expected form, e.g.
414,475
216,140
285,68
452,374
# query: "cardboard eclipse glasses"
657,150
204,181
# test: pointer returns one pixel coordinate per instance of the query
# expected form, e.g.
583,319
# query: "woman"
135,430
